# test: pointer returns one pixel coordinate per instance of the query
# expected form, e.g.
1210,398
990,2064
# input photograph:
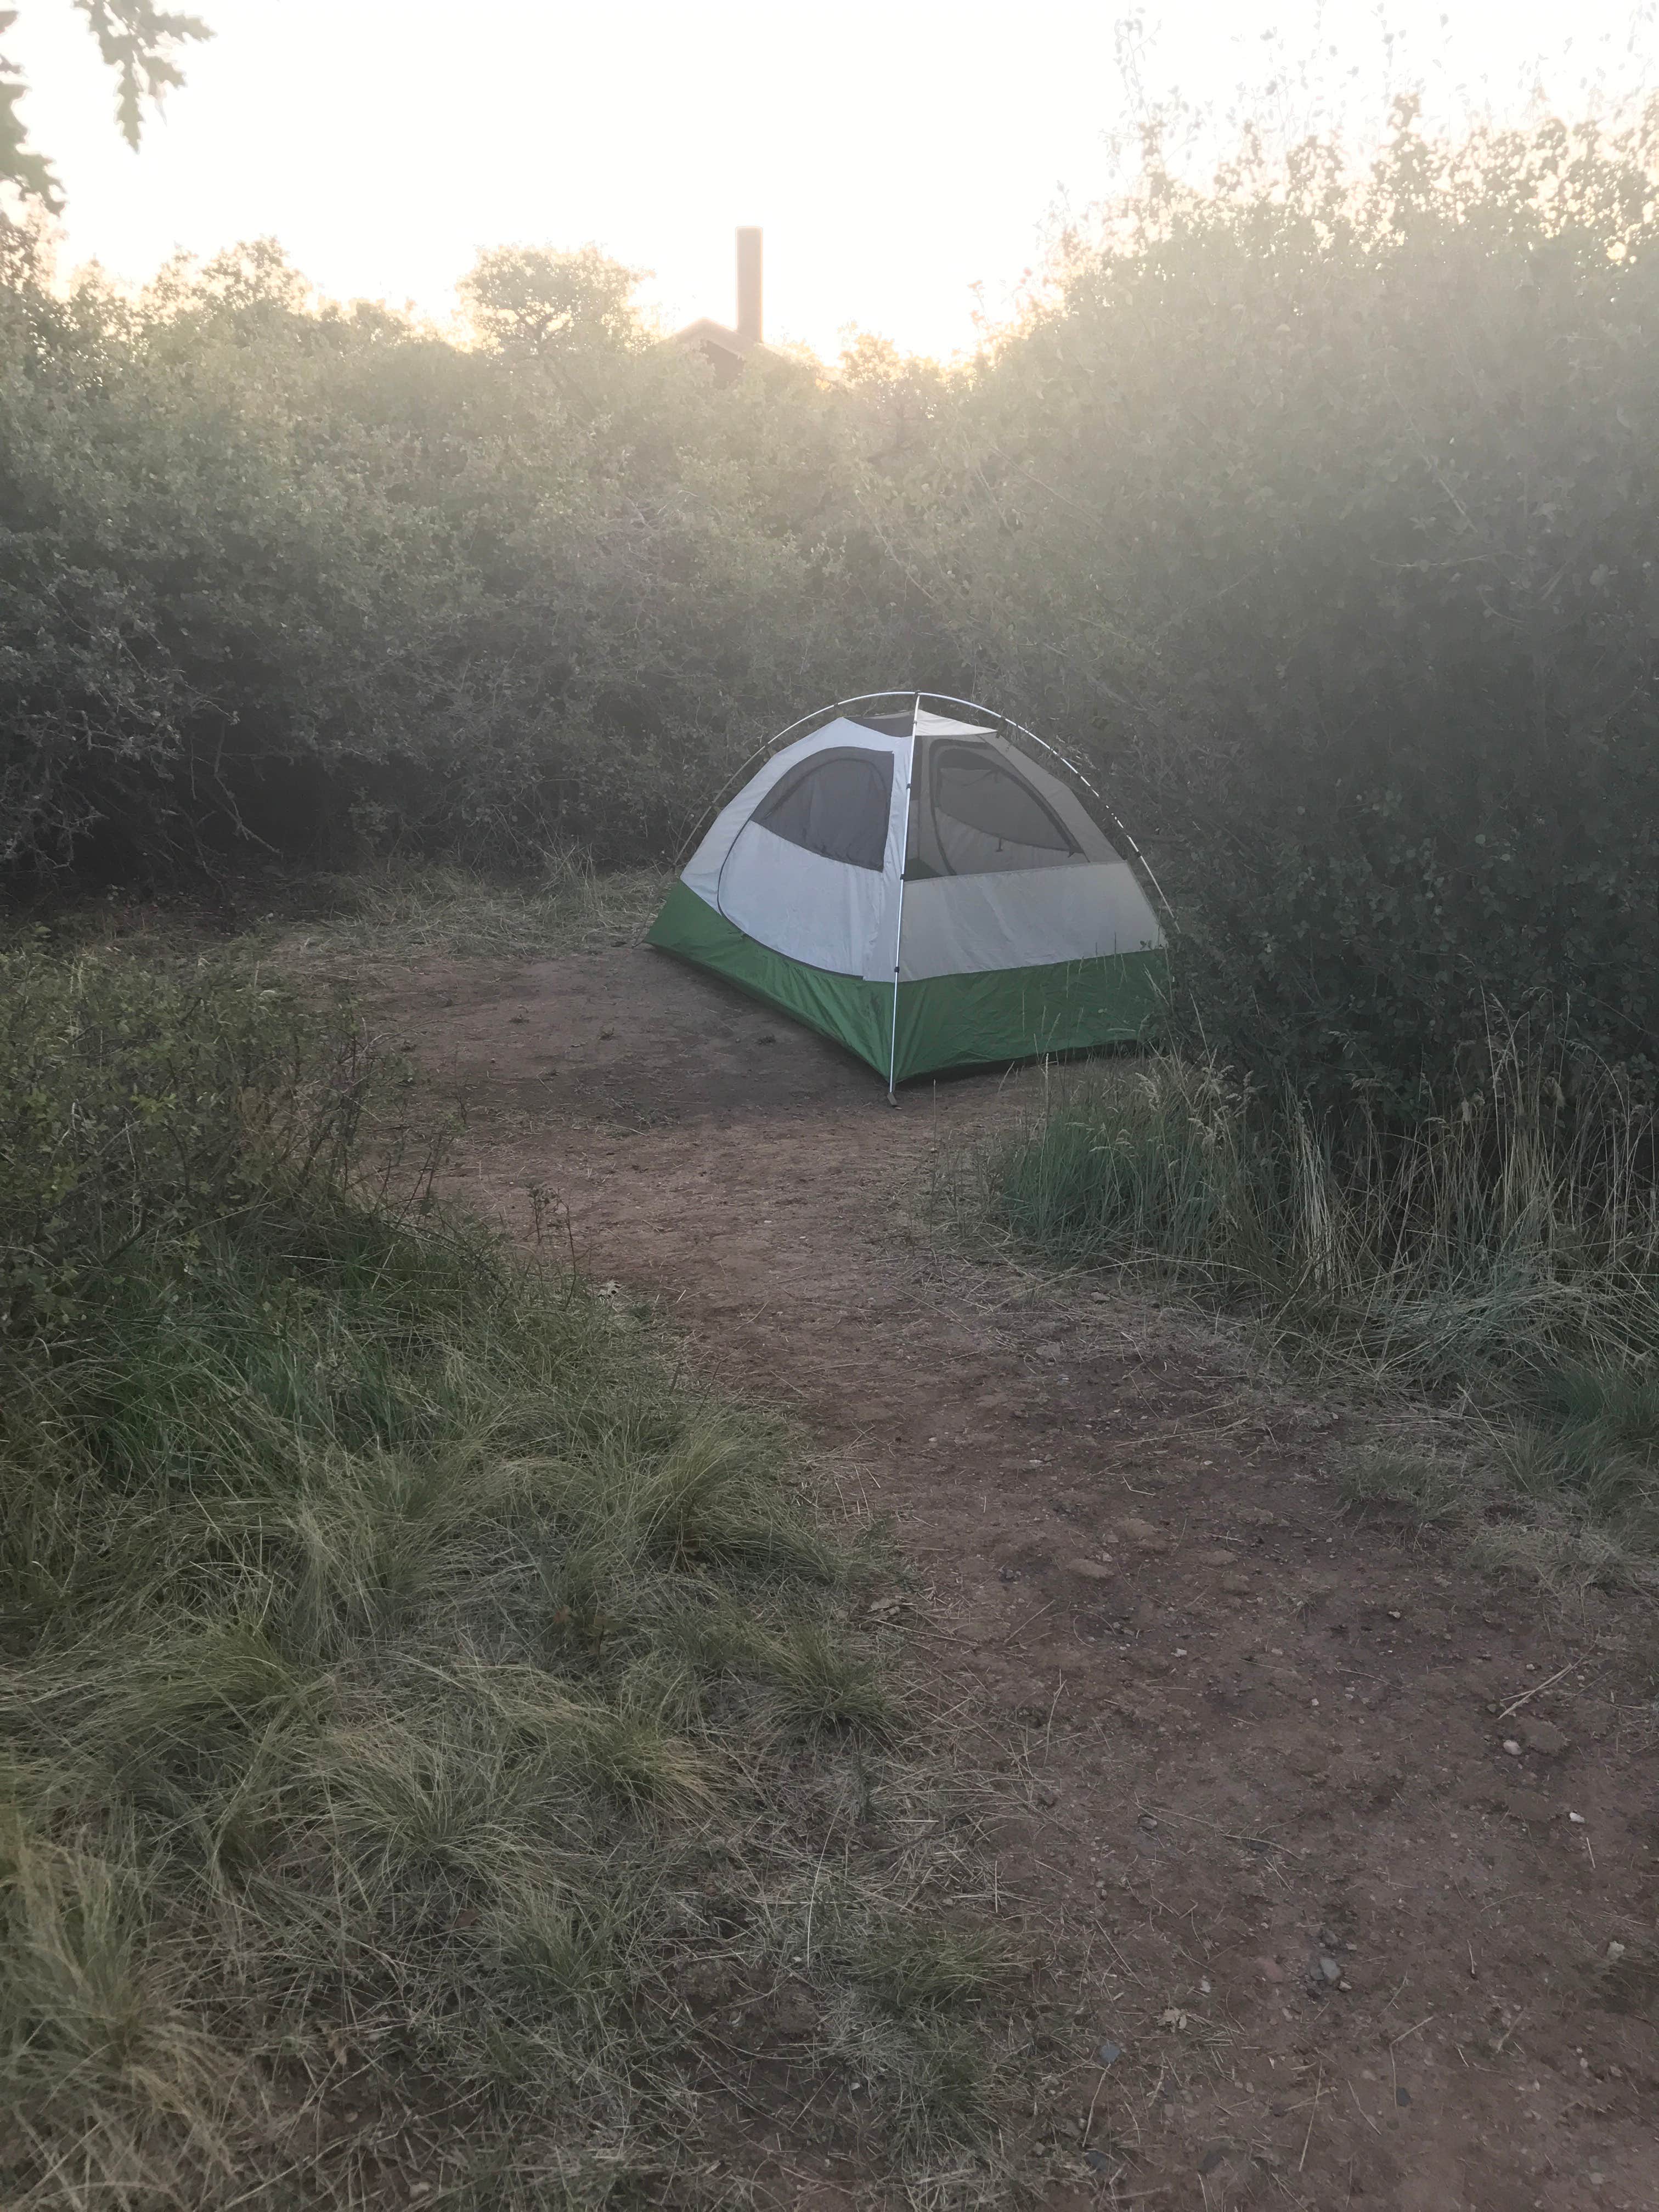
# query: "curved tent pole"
768,745
1093,790
949,699
898,935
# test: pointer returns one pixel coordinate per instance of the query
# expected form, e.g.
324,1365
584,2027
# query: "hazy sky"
898,152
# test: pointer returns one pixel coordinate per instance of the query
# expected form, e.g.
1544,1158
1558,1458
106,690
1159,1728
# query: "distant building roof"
727,349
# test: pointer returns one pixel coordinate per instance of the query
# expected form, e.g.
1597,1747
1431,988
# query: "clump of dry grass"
1502,1256
423,1720
402,909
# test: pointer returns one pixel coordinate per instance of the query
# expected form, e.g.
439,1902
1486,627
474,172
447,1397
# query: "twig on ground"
1362,2113
1318,2091
1021,1627
1527,1696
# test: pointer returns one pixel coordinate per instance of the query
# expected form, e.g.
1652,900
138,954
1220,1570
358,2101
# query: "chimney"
749,286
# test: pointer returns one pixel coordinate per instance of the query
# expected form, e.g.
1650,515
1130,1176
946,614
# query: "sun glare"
910,162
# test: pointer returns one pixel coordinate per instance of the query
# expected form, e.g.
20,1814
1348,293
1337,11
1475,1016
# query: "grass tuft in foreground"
423,1726
1502,1258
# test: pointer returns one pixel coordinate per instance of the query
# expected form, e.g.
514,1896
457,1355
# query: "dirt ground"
1331,1940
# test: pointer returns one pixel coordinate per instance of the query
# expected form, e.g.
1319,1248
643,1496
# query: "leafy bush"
1315,512
1326,511
314,576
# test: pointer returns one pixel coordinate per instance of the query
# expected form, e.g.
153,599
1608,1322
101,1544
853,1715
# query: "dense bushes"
1329,514
1319,515
311,577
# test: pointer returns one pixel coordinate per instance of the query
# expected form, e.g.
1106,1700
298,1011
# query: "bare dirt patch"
1347,1855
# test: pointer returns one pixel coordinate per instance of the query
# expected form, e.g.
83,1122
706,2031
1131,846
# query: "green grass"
335,921
1501,1259
416,1707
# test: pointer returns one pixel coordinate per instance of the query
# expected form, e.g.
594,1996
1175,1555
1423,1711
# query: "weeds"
410,1697
405,909
1502,1257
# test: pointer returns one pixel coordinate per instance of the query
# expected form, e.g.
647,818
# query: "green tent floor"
944,1022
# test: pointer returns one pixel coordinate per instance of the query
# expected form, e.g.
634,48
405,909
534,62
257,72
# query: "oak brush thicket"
1318,515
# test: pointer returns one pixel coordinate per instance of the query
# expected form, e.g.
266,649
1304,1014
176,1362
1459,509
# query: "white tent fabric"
970,925
1022,908
911,847
814,909
927,724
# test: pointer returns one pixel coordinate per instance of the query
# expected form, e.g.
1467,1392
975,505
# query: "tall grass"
402,908
416,1708
1503,1255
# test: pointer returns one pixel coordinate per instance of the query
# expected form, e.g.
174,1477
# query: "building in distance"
727,350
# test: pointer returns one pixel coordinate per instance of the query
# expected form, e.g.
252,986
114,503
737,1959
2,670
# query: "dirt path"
1351,1950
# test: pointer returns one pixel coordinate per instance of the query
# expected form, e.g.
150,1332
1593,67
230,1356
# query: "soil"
1349,1947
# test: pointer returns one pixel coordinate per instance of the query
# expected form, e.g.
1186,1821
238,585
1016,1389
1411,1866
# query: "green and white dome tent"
912,883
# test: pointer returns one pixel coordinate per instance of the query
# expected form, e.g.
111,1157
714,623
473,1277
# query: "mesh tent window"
836,805
988,820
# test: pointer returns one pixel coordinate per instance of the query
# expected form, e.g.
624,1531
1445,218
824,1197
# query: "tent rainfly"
917,887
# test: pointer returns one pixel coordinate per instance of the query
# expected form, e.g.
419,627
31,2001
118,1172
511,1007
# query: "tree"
535,301
138,41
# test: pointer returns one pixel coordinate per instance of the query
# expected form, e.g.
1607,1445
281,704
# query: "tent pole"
898,935
768,745
1093,790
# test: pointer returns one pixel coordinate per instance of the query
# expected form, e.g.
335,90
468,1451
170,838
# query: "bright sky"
899,153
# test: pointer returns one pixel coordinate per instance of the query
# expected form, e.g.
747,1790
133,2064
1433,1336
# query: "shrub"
1320,511
1315,511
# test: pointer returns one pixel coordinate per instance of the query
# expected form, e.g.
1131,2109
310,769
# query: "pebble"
1511,1747
1615,1952
1330,1970
1109,2054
